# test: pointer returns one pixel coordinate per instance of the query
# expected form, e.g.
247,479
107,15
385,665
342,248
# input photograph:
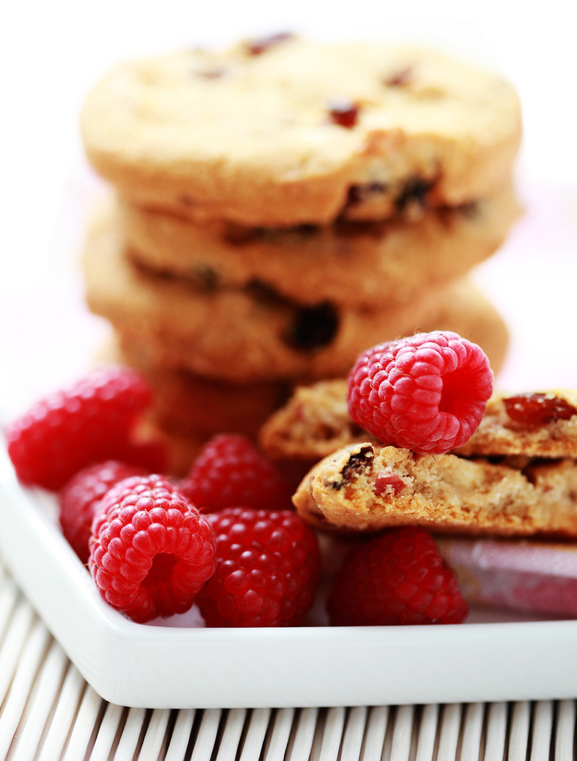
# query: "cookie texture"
196,406
301,132
532,424
251,334
315,422
348,262
366,487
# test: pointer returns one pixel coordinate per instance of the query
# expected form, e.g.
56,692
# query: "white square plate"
179,664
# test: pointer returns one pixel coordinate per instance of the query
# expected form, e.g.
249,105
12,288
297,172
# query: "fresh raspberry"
229,471
150,550
397,577
426,393
87,423
80,497
267,568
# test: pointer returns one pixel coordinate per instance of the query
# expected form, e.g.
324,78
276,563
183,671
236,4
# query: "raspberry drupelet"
396,578
230,471
89,422
150,551
426,393
267,568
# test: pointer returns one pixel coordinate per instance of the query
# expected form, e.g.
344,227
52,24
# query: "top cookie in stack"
283,205
286,132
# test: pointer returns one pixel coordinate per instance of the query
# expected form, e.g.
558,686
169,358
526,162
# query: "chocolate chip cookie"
367,487
253,334
348,262
296,132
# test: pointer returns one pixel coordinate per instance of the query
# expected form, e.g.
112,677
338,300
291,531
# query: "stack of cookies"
282,206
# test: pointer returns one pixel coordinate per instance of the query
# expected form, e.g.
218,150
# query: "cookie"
348,262
245,335
315,421
367,487
181,448
195,406
298,132
313,424
534,424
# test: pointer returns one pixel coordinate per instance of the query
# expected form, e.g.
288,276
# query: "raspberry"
426,393
80,497
229,471
397,577
87,423
267,568
150,550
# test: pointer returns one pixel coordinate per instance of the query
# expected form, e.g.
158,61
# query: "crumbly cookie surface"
366,487
348,262
533,424
245,335
315,422
300,132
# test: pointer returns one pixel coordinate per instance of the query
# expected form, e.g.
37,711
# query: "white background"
51,53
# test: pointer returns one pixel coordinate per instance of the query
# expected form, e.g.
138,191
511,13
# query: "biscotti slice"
302,132
366,487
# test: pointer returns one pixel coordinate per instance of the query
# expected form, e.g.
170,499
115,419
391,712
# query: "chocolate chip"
359,193
414,192
360,460
280,235
343,112
261,44
205,278
351,228
265,294
313,327
238,235
307,230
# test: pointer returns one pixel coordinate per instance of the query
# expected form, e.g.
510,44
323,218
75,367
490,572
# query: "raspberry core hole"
454,396
160,570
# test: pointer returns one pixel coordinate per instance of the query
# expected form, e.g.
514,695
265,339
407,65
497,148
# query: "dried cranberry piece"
534,410
261,44
216,72
343,112
400,77
385,481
